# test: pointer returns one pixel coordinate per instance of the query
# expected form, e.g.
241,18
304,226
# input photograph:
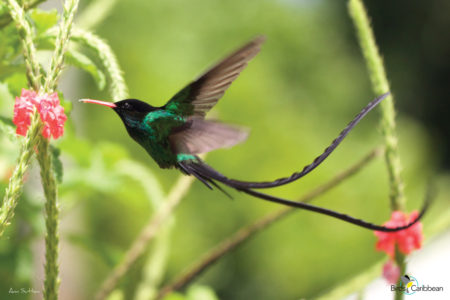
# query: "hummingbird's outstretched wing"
200,136
201,95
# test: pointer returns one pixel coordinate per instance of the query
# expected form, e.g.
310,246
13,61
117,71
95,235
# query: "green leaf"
16,82
81,61
6,102
10,48
56,163
7,69
8,127
44,20
6,122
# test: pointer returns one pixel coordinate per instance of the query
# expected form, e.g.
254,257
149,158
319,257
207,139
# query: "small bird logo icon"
407,281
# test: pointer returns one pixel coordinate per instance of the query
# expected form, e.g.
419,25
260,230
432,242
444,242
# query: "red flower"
407,240
391,272
52,114
48,107
23,108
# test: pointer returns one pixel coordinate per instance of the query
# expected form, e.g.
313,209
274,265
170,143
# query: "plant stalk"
14,189
380,85
51,282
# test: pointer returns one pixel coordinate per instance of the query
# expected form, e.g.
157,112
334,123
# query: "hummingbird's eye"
127,106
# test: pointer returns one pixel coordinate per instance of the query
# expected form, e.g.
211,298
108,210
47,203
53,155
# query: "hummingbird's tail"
317,161
208,176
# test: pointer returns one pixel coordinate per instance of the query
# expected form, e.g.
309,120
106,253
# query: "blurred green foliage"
308,81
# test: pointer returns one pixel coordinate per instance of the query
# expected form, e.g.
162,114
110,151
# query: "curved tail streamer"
208,176
317,161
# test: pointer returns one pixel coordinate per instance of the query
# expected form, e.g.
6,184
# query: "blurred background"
306,84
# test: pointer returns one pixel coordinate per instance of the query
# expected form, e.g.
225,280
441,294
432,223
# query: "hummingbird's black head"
132,111
132,108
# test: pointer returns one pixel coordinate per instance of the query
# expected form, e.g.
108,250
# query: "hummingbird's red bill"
104,103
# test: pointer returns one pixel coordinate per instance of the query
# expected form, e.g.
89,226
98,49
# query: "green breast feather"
154,137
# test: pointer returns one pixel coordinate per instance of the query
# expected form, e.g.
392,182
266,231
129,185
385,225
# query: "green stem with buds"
32,138
118,88
26,34
14,189
380,85
61,43
51,283
5,19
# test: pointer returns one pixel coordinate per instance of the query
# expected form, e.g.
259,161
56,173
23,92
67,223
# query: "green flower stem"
51,282
118,88
400,260
14,189
380,85
245,233
51,268
26,34
32,139
62,40
5,19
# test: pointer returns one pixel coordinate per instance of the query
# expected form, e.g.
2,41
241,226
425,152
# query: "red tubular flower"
52,114
406,240
23,108
48,107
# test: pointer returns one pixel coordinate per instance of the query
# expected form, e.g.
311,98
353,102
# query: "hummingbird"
176,133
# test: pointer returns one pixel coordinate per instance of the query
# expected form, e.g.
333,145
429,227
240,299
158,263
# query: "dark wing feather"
201,136
200,96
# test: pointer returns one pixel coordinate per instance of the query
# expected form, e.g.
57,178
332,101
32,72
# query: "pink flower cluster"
48,107
407,240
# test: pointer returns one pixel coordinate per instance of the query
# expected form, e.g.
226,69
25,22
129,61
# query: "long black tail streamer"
207,175
317,161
